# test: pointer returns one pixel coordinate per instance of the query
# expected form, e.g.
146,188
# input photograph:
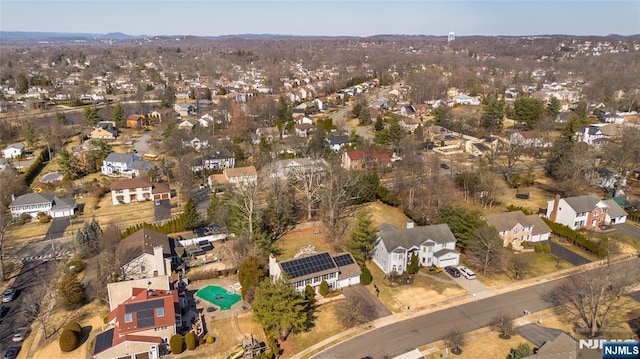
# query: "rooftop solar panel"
145,318
308,265
150,304
343,260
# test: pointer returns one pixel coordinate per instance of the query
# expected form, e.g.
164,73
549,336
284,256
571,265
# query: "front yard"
540,264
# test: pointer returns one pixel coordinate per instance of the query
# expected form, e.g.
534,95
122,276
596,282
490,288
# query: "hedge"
634,216
34,170
175,343
576,238
174,225
365,277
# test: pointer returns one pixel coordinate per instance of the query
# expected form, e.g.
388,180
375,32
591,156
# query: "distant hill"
26,36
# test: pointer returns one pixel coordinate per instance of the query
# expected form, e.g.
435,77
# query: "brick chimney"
554,210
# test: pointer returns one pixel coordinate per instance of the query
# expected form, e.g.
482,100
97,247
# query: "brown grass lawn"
325,325
538,198
229,335
122,215
381,212
424,291
626,243
290,244
19,234
541,264
485,345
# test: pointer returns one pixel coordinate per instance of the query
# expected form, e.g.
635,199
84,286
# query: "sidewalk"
398,317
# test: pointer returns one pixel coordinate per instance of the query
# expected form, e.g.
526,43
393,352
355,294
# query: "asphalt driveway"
162,210
57,228
629,229
569,256
360,292
538,335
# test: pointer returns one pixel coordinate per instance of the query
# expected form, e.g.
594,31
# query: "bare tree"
592,300
244,206
40,303
519,265
455,340
6,220
355,311
309,180
503,323
486,249
336,196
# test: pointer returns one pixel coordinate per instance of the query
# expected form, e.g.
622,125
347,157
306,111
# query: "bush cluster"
34,170
576,238
70,337
191,340
211,274
174,225
175,343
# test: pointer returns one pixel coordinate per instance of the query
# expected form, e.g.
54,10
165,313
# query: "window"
515,231
159,312
128,317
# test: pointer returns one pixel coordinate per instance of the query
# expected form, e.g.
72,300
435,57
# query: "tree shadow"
84,334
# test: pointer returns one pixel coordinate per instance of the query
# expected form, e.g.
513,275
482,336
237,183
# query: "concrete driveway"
569,256
473,286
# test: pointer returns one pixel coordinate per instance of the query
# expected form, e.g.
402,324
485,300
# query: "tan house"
131,190
236,176
104,130
516,227
136,121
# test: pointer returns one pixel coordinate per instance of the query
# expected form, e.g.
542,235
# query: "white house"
14,150
47,203
283,168
434,245
336,142
530,139
148,253
586,211
591,135
338,271
195,142
132,190
124,165
466,100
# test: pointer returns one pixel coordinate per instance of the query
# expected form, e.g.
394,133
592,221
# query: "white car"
20,334
9,295
467,273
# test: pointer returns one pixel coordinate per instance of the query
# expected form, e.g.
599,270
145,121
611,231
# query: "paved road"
401,337
569,256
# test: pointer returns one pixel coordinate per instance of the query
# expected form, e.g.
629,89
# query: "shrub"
73,326
525,244
546,248
190,340
201,341
538,248
78,266
365,277
45,219
69,340
175,343
25,218
209,339
324,288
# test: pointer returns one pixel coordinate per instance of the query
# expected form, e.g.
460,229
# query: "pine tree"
118,116
250,273
414,265
363,234
190,216
279,309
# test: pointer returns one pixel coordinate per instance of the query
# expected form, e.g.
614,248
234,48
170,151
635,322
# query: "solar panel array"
144,311
343,260
308,265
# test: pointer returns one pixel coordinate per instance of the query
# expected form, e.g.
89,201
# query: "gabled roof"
240,172
394,237
32,198
17,146
614,208
146,239
318,264
506,221
338,139
130,183
119,158
584,203
539,227
368,155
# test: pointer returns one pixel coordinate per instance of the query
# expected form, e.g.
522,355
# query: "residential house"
434,245
104,130
235,176
530,139
410,124
132,190
563,346
337,142
195,142
124,165
164,114
184,109
516,227
47,203
284,168
304,129
408,111
611,117
136,121
217,162
364,160
140,327
466,100
321,103
118,292
588,211
615,214
267,133
14,150
338,271
186,126
591,135
147,253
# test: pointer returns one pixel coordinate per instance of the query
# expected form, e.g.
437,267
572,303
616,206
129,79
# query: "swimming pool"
218,296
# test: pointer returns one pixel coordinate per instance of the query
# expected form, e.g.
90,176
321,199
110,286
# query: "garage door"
447,262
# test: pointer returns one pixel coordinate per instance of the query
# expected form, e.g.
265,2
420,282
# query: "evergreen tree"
364,117
118,116
528,111
522,351
461,221
324,288
279,309
250,273
91,116
363,234
414,265
553,108
61,119
379,124
190,216
71,291
492,114
29,132
87,239
69,167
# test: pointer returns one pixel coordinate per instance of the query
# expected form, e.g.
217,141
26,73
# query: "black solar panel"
136,307
145,318
104,341
343,260
308,265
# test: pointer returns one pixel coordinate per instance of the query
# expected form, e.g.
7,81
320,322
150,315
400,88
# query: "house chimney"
410,224
554,210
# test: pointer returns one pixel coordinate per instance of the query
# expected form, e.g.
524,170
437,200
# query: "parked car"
467,273
453,271
9,295
20,334
200,232
444,166
12,353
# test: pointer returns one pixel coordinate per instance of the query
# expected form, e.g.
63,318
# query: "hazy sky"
302,17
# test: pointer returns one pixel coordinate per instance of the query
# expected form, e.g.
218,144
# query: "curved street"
403,336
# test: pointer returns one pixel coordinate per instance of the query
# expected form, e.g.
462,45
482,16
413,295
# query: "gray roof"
506,221
37,198
614,208
443,251
584,203
119,157
338,139
394,237
539,227
17,145
141,165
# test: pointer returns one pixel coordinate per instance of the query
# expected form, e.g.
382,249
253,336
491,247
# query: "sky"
317,17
